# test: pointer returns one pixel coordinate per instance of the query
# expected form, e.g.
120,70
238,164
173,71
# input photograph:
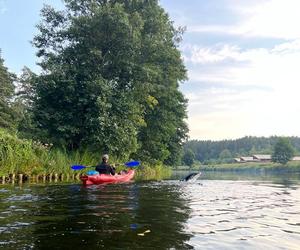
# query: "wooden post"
3,179
55,177
44,178
68,177
13,176
20,178
50,177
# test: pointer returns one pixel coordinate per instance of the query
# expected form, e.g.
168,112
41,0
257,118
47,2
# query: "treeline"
224,151
109,82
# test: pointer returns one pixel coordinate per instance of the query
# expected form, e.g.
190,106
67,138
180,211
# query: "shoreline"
239,167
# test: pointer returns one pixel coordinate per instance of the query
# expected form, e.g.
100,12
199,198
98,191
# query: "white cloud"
272,18
275,67
257,94
212,54
265,18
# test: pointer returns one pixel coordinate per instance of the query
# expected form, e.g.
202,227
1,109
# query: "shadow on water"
133,216
220,210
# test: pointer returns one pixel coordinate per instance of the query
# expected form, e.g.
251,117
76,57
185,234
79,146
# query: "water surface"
218,211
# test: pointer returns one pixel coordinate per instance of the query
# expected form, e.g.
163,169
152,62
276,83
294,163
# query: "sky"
242,59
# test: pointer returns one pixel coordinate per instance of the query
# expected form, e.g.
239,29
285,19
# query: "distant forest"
224,151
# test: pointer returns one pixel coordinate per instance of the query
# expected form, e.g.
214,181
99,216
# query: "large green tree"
110,78
8,115
188,158
283,151
24,103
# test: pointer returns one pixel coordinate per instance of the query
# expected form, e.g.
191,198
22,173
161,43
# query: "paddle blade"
78,167
131,164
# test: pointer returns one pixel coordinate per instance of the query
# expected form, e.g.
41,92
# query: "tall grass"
17,155
33,158
153,172
20,156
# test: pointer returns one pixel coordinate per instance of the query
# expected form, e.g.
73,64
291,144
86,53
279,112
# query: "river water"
217,211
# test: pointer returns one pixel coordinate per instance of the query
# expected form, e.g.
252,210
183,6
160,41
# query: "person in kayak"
104,167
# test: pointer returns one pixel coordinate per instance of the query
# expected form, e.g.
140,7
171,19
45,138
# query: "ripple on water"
23,197
240,211
206,214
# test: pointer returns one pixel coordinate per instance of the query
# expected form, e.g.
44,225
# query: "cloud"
233,65
252,91
242,68
265,18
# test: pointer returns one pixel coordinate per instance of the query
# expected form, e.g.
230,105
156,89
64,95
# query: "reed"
18,155
153,172
30,158
21,156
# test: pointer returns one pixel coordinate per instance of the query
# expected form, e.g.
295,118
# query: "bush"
20,156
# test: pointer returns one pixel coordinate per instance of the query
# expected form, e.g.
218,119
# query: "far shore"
250,166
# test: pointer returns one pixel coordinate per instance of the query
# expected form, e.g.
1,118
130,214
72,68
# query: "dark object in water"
192,176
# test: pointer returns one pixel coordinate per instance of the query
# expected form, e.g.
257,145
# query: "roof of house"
262,157
247,158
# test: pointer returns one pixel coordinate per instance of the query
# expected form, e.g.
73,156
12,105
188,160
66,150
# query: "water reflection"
222,211
134,216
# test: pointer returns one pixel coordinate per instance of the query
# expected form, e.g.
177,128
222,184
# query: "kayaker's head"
105,158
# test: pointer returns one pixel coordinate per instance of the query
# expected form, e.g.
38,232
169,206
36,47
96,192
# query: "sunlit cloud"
265,18
257,89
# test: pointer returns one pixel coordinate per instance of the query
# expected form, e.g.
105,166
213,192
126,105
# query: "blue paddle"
129,164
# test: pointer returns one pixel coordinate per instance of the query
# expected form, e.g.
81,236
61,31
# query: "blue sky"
242,59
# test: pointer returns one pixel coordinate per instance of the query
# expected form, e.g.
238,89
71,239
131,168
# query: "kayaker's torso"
105,168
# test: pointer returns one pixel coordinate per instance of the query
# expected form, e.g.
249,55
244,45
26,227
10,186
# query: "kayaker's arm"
112,170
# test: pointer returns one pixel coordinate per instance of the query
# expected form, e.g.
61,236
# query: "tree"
225,154
110,78
87,93
7,113
283,151
188,158
24,102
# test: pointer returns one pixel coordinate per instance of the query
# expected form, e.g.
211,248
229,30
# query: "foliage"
19,156
283,151
188,158
152,172
225,154
7,113
23,103
32,157
213,151
110,79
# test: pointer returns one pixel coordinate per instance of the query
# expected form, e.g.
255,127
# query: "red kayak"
106,178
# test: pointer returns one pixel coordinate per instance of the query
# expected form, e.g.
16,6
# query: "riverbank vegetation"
30,158
250,166
109,83
222,152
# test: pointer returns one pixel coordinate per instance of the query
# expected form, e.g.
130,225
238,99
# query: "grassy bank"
253,166
19,156
158,172
29,158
